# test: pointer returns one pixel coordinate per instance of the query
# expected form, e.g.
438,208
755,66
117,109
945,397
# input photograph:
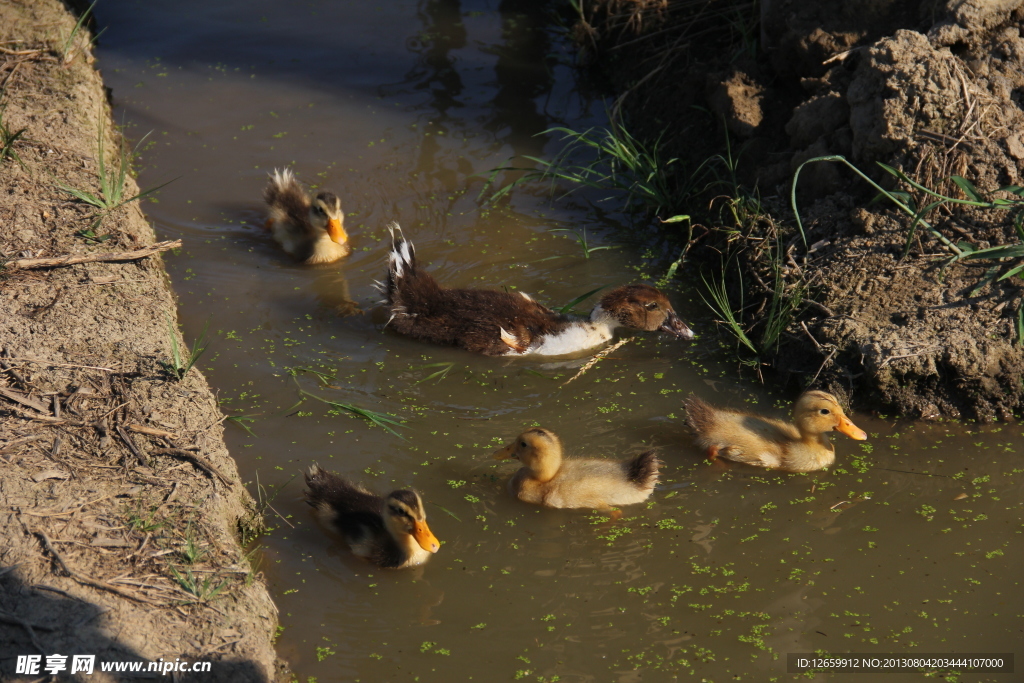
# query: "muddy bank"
121,506
931,88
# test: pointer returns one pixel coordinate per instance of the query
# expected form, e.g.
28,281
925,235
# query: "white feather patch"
509,339
395,263
577,337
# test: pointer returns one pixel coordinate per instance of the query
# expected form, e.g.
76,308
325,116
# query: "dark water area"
911,543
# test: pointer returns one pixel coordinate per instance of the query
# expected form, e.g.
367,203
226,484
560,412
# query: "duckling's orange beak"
336,231
427,540
506,453
851,430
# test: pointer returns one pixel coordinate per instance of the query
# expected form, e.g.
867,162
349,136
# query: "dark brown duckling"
499,323
388,531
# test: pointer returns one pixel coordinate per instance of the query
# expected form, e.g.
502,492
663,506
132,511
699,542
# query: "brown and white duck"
310,230
388,531
501,323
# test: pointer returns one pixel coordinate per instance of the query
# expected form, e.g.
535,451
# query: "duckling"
547,479
388,531
765,442
501,323
311,231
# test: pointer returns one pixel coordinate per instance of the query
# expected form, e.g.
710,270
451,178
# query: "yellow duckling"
764,442
547,479
311,231
388,531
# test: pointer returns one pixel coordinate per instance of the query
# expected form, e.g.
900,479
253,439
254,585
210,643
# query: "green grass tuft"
111,195
8,138
617,163
180,363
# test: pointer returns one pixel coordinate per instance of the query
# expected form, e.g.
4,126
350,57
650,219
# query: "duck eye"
825,411
523,444
651,306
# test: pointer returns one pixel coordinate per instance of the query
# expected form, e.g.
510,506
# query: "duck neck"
544,469
412,551
599,317
817,439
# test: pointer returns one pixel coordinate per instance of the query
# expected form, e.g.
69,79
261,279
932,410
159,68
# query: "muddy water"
911,544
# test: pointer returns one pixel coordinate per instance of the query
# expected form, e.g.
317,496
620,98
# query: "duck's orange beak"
336,231
851,430
427,540
506,453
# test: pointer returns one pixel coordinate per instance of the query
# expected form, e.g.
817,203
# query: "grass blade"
1013,271
64,51
441,374
572,304
1020,324
382,420
968,188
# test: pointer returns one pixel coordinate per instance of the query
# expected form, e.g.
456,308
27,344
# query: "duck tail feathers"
401,264
285,196
643,470
699,415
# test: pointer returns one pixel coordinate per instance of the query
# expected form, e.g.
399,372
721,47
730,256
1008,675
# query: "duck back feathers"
350,507
473,319
356,514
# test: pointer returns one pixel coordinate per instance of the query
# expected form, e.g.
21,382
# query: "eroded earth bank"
122,510
931,88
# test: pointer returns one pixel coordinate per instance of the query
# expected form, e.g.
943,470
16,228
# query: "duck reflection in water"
331,289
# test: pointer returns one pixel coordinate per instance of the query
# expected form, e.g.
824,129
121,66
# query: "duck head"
325,214
538,449
817,412
642,307
405,516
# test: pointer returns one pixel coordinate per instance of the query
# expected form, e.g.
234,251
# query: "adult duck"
800,446
548,479
389,531
311,230
498,323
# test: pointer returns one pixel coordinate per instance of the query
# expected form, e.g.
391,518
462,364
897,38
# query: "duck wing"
474,319
351,508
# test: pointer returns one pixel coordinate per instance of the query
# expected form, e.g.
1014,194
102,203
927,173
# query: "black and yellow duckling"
546,478
310,230
388,531
497,323
801,446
